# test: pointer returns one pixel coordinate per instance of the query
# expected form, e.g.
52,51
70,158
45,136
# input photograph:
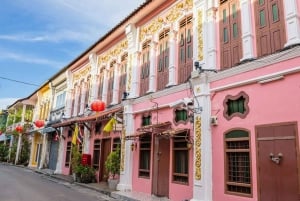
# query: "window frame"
226,168
147,140
180,138
98,150
233,98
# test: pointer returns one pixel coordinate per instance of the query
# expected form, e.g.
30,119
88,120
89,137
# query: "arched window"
144,70
123,76
230,33
185,49
237,162
163,60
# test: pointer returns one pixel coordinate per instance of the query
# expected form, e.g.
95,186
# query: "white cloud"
29,59
4,102
73,20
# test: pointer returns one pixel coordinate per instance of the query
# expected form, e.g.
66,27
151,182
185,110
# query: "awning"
174,131
96,117
49,129
99,116
155,128
64,123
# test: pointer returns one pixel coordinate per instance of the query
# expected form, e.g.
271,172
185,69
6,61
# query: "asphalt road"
21,184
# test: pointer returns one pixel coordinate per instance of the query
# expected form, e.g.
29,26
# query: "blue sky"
38,38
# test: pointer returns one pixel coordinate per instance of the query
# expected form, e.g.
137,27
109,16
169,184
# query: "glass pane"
182,55
225,35
189,36
261,2
235,30
189,51
233,11
275,12
236,134
166,62
224,15
262,19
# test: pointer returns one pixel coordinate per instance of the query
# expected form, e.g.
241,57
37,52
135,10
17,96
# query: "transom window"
237,158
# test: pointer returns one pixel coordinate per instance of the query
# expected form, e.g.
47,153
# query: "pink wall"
269,103
177,192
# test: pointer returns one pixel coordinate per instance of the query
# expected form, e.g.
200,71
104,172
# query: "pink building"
254,102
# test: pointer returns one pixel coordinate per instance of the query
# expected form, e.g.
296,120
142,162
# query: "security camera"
182,102
176,103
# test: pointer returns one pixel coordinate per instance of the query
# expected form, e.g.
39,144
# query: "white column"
94,80
135,74
86,141
172,58
77,101
126,175
69,95
152,70
202,190
247,31
31,150
83,95
292,21
209,39
116,84
59,164
44,151
105,86
18,148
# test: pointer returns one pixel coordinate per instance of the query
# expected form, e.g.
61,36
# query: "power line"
12,80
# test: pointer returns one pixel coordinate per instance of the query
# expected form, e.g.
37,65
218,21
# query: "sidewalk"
101,188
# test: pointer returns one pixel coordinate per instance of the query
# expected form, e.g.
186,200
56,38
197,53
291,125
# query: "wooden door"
105,150
161,164
278,178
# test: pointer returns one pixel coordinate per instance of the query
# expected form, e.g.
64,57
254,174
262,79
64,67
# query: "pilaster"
172,58
292,21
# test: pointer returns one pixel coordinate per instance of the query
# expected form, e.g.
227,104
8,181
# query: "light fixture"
133,146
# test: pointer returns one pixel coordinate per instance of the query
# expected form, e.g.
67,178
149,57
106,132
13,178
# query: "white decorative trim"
259,79
256,64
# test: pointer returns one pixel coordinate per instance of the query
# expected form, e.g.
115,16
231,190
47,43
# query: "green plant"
85,173
75,158
112,163
25,152
3,152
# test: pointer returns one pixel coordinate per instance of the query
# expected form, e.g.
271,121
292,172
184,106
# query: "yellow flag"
75,134
110,125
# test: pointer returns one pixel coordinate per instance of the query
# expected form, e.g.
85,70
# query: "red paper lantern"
39,123
98,106
19,128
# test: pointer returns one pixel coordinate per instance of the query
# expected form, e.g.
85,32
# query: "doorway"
277,165
161,164
105,150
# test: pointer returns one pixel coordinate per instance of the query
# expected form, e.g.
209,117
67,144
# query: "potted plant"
85,173
112,166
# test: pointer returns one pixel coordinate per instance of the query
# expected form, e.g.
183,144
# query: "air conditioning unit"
214,120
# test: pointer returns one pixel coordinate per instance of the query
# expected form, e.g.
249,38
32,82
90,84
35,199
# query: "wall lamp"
133,146
201,70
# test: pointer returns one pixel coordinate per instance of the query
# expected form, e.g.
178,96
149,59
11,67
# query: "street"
22,184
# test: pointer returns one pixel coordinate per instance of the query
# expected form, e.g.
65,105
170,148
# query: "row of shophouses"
206,95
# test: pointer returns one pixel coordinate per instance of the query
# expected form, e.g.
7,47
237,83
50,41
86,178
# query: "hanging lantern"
98,106
19,128
39,123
